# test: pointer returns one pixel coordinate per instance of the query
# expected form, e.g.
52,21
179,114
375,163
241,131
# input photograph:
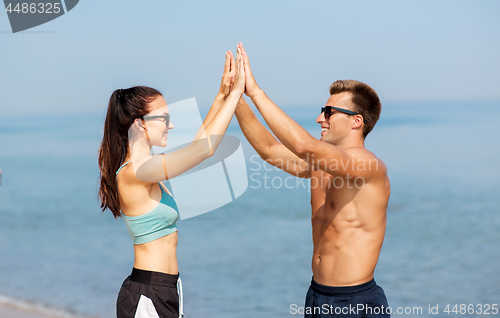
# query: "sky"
408,51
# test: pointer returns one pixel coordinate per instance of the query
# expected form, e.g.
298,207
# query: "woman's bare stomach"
159,255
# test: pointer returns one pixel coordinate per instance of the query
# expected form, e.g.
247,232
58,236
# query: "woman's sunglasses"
165,118
328,112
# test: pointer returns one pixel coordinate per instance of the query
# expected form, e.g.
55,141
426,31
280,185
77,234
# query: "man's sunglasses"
328,112
165,118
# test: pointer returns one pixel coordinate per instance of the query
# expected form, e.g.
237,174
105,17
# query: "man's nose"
321,118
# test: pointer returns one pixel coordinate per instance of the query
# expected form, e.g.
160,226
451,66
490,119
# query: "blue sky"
406,50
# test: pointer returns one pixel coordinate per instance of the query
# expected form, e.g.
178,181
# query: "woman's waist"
163,263
159,255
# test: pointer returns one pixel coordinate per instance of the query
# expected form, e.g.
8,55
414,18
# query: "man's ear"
358,122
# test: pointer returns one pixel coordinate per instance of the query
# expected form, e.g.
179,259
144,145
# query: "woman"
138,119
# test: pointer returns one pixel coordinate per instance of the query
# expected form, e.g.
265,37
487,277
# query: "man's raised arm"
317,153
266,145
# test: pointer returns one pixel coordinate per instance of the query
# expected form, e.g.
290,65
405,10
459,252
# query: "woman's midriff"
159,255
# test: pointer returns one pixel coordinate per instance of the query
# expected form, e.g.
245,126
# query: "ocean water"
251,258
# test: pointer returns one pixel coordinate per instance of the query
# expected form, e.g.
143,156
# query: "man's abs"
344,259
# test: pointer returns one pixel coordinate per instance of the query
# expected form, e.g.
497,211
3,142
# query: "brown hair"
364,99
125,106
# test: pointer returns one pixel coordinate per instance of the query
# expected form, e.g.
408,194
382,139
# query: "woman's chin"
160,143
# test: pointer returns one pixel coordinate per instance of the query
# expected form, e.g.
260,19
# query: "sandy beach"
13,308
13,312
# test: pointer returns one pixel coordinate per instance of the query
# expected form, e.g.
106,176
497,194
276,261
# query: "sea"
252,256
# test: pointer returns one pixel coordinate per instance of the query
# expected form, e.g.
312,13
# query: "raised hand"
239,82
227,75
251,86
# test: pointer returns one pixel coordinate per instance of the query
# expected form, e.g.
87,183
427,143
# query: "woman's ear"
143,126
138,129
138,125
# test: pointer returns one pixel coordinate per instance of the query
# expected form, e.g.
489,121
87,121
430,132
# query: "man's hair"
364,99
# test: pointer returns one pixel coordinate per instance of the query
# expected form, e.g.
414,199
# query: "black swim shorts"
149,294
365,300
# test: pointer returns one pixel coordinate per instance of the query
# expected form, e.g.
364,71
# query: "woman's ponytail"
125,106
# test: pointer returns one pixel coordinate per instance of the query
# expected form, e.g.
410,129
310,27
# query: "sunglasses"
328,112
165,118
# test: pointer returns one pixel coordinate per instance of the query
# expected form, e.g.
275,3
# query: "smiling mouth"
324,129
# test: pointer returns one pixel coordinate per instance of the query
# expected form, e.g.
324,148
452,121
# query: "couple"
349,188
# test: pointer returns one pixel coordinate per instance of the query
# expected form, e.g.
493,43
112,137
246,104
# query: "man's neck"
351,142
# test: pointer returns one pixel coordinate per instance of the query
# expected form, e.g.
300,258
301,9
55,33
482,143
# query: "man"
349,191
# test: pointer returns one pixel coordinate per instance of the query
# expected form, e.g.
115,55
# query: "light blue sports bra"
159,222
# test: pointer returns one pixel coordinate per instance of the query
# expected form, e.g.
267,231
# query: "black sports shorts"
149,294
365,300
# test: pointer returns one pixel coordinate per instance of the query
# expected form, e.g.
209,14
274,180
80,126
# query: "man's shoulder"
361,153
365,160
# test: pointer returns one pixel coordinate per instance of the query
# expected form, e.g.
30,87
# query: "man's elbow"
303,149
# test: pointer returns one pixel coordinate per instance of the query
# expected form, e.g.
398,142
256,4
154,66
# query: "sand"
11,312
